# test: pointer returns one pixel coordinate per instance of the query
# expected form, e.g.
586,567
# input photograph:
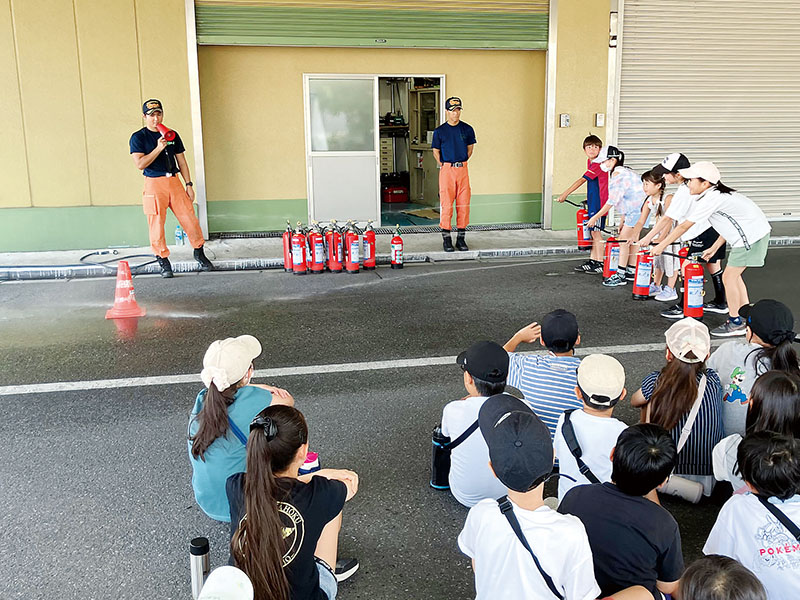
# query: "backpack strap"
508,511
568,431
463,437
781,516
237,432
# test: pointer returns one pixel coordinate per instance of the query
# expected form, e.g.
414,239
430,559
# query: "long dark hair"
781,357
722,188
775,404
258,544
658,180
212,420
675,392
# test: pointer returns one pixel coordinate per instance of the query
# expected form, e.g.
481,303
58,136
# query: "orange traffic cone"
124,299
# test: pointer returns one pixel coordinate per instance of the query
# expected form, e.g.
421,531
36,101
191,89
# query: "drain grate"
383,230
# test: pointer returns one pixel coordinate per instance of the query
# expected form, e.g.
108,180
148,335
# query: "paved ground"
95,500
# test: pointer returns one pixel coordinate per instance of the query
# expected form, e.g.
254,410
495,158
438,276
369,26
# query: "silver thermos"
200,564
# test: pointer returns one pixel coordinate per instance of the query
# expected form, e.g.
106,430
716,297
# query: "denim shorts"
327,580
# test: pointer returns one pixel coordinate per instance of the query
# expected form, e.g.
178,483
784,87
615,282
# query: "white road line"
379,365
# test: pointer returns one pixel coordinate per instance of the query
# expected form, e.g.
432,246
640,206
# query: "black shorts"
704,241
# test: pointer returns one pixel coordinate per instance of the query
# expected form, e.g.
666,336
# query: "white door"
341,113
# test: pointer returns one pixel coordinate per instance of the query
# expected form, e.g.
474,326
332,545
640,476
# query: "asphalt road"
95,499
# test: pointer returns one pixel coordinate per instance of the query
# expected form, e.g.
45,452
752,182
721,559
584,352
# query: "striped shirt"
547,382
695,458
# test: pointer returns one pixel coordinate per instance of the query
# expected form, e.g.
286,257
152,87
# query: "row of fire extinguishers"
693,273
335,249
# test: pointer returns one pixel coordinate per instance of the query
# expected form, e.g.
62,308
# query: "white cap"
688,335
602,379
703,169
226,361
227,583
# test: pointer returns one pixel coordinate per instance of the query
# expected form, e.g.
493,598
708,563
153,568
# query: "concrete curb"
81,271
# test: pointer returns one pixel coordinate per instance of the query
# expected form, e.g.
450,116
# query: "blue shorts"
593,207
327,580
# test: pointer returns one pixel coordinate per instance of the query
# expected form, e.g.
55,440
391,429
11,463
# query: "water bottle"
440,460
185,238
199,562
178,236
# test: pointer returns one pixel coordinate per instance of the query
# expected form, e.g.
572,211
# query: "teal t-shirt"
226,455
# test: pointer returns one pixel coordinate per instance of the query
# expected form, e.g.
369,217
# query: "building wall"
253,129
74,74
581,91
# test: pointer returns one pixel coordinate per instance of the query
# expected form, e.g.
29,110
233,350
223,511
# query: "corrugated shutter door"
513,24
717,80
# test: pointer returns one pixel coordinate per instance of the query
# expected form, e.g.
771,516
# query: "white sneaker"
655,290
667,294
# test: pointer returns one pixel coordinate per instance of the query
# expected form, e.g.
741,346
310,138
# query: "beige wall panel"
164,65
581,83
110,76
51,101
252,102
15,191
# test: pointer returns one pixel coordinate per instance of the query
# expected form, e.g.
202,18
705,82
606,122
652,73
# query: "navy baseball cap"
151,106
519,443
452,103
559,330
485,360
770,320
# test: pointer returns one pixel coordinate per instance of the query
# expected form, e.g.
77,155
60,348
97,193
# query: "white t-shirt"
747,532
679,207
735,217
596,436
471,480
504,568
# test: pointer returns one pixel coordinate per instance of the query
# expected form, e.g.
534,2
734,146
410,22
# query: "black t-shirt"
145,141
634,541
309,507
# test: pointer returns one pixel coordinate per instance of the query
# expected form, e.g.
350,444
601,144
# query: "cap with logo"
688,340
672,164
152,105
485,360
452,103
519,443
704,170
227,361
227,583
770,320
607,152
559,330
601,378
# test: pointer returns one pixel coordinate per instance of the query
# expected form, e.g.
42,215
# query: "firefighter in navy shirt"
452,145
161,161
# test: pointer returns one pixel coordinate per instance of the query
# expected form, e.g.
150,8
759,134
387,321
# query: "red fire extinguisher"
611,257
369,247
287,248
644,271
351,253
397,249
333,244
693,290
584,236
299,251
316,259
165,132
683,253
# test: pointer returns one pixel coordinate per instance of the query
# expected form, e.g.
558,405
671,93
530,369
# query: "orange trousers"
454,186
161,193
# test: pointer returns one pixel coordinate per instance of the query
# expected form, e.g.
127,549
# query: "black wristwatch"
188,183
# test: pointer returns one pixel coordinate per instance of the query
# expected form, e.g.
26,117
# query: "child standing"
596,197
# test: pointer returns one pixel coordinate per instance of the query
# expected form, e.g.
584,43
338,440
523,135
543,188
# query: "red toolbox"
395,194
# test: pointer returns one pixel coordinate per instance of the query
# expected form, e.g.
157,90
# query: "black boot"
460,243
166,267
447,241
200,256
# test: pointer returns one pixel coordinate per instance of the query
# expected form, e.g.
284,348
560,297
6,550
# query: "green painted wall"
488,209
255,215
564,214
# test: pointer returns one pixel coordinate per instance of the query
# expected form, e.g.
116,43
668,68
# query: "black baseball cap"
671,164
485,360
559,330
770,320
452,102
519,443
152,105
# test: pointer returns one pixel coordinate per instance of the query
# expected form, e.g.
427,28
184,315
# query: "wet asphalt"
95,494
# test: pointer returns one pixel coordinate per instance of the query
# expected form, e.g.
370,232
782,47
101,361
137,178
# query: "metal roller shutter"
717,80
511,24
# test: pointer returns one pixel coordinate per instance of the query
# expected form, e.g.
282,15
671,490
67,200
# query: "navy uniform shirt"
452,141
145,141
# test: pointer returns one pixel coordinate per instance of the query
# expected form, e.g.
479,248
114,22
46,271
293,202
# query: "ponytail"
780,357
722,188
212,419
258,545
